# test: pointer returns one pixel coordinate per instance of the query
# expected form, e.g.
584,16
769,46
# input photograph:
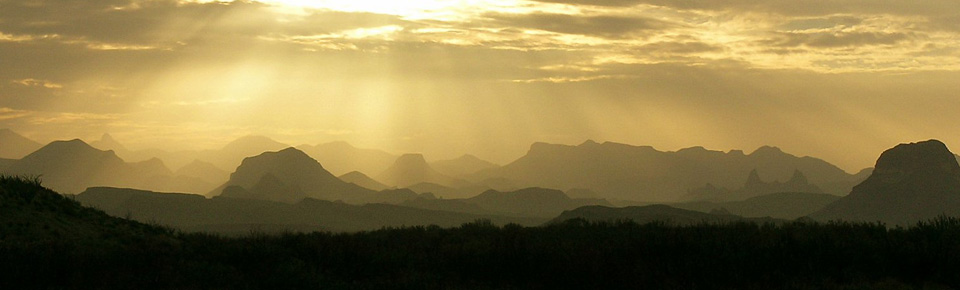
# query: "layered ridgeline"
72,166
527,202
15,146
754,187
241,215
227,157
626,172
289,175
910,183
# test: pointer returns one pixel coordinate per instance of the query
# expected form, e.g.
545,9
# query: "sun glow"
410,9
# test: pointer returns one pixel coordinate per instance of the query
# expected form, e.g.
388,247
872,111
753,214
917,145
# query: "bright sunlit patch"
410,9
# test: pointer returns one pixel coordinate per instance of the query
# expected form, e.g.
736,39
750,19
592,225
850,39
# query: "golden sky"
841,80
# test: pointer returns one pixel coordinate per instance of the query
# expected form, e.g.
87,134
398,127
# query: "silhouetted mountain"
537,202
15,146
341,157
626,172
358,178
205,171
411,169
462,166
72,166
294,176
239,216
650,213
107,143
226,158
753,187
910,183
784,205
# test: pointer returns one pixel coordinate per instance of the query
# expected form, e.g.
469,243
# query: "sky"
840,80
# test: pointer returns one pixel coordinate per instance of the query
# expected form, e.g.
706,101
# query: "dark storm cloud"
614,27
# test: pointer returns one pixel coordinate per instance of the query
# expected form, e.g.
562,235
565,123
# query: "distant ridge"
911,182
462,166
72,166
107,142
340,157
240,216
642,173
412,169
358,178
15,146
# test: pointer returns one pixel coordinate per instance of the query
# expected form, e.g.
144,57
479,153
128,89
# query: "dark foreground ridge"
48,241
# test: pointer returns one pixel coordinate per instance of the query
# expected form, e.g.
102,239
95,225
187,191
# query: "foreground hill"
237,216
641,173
29,212
15,146
289,175
910,183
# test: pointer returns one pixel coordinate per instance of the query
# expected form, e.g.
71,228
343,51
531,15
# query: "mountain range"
642,173
240,215
72,166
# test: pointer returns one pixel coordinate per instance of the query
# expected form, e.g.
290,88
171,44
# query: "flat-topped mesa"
910,183
922,158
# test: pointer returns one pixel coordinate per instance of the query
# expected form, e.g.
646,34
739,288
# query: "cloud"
606,26
37,83
10,114
840,39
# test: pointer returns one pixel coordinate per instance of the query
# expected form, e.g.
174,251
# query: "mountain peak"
753,178
411,169
910,158
764,150
253,142
107,142
798,178
589,142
